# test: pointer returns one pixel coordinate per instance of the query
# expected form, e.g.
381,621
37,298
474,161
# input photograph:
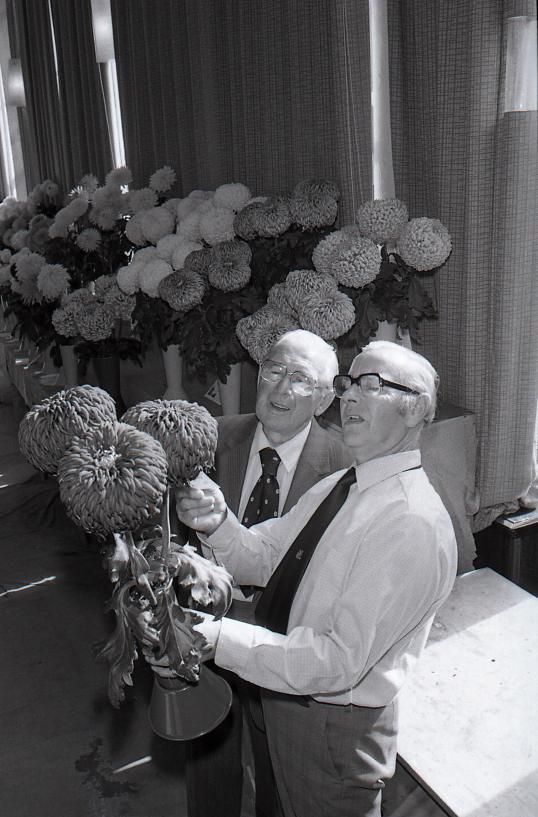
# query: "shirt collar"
289,452
377,470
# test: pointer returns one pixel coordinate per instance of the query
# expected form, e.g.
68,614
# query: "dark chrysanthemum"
424,244
382,220
198,261
48,428
187,432
113,479
305,283
182,290
259,331
229,267
311,212
328,316
263,219
357,264
317,187
276,297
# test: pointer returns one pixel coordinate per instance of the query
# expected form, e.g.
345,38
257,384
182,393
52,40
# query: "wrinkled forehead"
299,356
387,364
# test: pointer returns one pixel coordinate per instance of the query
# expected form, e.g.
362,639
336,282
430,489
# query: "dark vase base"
107,370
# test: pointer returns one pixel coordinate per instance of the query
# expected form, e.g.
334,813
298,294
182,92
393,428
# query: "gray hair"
324,358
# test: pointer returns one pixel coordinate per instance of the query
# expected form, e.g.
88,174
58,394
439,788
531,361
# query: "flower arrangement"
362,274
113,478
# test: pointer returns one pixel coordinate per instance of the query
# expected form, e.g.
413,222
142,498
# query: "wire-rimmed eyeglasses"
369,382
301,384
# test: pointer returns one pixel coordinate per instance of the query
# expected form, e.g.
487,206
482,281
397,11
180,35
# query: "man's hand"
201,505
209,628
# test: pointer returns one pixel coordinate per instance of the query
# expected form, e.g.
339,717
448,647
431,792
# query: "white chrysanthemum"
127,279
5,256
184,207
203,206
328,316
5,275
95,324
89,183
171,204
50,188
234,196
109,197
182,251
143,199
120,303
89,239
58,230
382,220
167,245
120,176
189,227
28,264
305,283
163,179
358,264
52,281
217,225
26,286
133,230
151,275
424,244
64,321
259,331
77,207
19,239
102,284
104,218
16,256
156,223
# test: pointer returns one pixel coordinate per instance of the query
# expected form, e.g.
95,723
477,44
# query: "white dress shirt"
362,613
289,453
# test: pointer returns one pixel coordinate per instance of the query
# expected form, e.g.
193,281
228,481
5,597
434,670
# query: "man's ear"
325,402
416,410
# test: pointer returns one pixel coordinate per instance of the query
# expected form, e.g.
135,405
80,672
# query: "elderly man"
353,576
265,462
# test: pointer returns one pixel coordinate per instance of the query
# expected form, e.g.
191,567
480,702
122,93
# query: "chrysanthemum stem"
165,525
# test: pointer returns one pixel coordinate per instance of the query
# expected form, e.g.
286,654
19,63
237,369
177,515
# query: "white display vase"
230,392
388,330
69,365
173,369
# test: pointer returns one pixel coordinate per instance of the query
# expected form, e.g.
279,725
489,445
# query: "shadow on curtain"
265,93
459,159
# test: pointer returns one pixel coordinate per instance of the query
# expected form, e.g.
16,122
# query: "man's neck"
276,438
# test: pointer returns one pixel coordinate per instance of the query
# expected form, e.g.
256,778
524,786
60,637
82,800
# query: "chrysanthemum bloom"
127,279
5,256
89,182
52,281
103,217
157,223
234,196
64,322
120,303
142,199
171,204
328,316
217,225
198,261
182,251
58,230
382,220
187,432
264,219
276,297
259,331
166,246
76,208
313,211
5,275
88,240
304,283
50,188
47,429
113,479
97,323
82,295
229,268
119,176
358,264
424,244
325,250
163,179
151,275
27,264
109,198
19,239
197,201
102,284
182,290
25,284
317,187
189,227
133,230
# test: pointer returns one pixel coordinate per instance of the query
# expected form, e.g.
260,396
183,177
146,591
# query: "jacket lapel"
314,463
232,460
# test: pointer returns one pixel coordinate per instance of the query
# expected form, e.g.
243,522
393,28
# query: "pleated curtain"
266,93
459,158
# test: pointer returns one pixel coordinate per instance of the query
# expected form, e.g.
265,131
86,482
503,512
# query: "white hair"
322,354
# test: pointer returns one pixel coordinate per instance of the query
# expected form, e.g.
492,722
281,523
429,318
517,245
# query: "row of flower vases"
230,392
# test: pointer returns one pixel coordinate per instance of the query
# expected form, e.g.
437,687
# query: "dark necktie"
263,501
274,605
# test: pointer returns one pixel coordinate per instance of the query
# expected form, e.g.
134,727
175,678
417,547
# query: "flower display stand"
69,365
173,369
107,371
388,330
230,392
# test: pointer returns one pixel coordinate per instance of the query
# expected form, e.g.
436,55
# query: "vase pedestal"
107,370
388,330
173,369
69,365
230,392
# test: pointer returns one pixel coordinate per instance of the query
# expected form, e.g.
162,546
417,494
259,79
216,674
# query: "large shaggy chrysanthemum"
162,179
151,275
217,225
305,283
259,331
120,303
187,432
382,220
229,268
52,281
198,261
133,230
314,204
112,479
357,264
182,290
64,320
156,223
317,187
328,316
119,176
141,199
327,249
47,429
233,195
182,250
424,244
264,219
276,297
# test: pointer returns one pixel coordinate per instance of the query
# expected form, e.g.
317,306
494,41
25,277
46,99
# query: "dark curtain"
83,107
265,93
458,158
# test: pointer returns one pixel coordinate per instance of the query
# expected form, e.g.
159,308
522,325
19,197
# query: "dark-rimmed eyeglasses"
300,383
369,382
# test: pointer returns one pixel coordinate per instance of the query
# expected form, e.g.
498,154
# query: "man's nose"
284,385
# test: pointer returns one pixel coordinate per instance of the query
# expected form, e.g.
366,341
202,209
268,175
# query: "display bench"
469,714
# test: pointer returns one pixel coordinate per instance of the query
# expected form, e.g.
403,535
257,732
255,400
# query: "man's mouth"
279,406
352,418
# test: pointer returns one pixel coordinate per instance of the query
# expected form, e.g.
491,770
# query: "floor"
66,752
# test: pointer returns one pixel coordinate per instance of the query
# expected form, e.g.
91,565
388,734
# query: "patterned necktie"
274,605
263,501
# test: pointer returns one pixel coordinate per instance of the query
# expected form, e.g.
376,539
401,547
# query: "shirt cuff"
235,641
227,529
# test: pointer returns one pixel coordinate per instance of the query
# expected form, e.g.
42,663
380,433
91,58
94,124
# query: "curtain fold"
85,130
457,158
265,93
